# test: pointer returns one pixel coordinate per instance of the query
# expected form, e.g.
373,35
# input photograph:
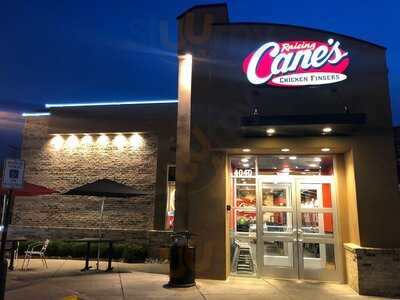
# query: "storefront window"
171,189
243,218
261,189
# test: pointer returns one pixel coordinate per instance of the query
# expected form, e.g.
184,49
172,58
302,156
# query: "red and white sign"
297,63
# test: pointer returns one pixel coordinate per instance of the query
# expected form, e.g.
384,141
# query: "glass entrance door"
316,223
296,223
277,248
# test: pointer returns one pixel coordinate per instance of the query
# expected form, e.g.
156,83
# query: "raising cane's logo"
297,63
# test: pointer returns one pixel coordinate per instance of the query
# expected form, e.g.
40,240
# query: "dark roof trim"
303,119
297,26
201,6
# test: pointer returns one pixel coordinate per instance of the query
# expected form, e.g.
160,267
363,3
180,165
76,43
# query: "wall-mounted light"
136,141
87,140
185,72
120,141
57,142
103,140
72,142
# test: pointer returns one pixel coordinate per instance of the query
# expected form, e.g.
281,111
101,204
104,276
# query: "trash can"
182,261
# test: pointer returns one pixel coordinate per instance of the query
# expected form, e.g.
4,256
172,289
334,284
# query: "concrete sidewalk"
63,280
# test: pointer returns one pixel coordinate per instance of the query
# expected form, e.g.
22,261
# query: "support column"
183,142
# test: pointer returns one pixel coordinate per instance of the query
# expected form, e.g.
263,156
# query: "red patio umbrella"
30,190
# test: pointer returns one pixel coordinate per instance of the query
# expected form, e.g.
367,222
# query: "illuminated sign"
297,63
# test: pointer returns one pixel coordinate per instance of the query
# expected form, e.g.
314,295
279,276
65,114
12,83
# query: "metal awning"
302,125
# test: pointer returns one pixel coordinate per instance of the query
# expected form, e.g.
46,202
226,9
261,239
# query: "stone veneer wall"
63,169
373,271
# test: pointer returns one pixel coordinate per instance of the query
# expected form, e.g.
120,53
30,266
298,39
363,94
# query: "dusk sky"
73,50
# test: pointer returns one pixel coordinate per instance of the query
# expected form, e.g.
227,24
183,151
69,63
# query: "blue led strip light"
41,114
112,103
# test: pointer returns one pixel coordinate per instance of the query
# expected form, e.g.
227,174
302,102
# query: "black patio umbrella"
104,188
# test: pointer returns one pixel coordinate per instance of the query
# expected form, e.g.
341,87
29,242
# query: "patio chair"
32,251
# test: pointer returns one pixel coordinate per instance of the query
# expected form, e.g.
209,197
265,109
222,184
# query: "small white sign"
13,174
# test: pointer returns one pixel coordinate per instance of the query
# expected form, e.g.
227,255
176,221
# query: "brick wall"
373,271
71,165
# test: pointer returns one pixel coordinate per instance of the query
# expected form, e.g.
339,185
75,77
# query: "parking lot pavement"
63,280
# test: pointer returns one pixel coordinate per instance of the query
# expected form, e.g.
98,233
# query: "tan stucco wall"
378,201
207,215
346,198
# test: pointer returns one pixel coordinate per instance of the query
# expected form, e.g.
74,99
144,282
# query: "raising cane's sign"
297,63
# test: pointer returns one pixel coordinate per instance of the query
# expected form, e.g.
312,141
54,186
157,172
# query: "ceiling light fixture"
246,150
270,131
325,149
327,130
285,149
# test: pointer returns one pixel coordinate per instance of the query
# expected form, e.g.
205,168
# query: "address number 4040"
243,173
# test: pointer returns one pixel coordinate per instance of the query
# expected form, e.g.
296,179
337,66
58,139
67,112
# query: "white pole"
100,233
3,211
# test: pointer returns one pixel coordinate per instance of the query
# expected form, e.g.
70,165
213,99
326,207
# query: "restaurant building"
285,162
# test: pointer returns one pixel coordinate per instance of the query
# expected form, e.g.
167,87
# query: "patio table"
89,241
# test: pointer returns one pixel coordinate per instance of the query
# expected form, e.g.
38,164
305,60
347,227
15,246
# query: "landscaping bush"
134,254
127,252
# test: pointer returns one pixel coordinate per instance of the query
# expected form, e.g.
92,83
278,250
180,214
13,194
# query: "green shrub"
125,251
94,247
134,254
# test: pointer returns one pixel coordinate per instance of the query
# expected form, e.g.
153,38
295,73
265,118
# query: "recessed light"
325,149
270,131
244,160
327,130
285,149
317,159
292,157
306,170
313,165
246,150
